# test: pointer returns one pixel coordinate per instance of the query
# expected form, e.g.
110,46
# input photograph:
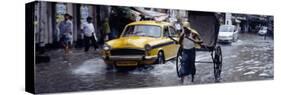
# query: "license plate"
126,63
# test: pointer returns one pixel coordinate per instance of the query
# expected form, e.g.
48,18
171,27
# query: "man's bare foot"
182,79
192,78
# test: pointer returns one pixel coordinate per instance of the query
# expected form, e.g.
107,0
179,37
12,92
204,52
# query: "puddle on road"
250,73
97,66
203,57
237,43
90,67
157,69
162,69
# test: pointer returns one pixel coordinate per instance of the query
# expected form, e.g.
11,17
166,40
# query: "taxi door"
171,48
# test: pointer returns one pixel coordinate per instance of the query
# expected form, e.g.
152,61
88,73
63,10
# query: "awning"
149,14
127,12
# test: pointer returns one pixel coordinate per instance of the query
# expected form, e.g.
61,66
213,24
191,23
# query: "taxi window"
143,30
172,31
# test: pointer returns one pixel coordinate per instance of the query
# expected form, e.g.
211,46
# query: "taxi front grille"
127,52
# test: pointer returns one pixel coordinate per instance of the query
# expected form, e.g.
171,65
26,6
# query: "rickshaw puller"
189,39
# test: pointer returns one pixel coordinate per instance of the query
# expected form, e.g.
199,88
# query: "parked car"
142,42
228,33
262,31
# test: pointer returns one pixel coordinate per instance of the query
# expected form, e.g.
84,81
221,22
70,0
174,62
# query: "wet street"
250,58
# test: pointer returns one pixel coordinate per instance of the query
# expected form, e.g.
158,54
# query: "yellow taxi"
142,42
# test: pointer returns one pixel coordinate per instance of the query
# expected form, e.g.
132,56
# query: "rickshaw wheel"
179,62
217,63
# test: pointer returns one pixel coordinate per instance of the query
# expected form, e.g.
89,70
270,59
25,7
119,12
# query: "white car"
262,31
228,33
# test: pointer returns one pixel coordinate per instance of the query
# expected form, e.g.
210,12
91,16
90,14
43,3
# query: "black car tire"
160,58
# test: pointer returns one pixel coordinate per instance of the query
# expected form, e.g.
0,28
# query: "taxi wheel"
160,58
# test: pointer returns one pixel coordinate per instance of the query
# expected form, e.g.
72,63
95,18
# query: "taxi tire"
160,58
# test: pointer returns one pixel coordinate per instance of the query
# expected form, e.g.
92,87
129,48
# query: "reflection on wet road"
250,58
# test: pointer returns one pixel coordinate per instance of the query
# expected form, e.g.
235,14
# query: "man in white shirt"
89,33
188,40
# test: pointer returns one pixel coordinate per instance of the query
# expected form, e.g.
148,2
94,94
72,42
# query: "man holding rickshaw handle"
189,40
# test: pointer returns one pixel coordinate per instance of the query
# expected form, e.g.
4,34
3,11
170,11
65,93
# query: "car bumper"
126,60
262,34
222,39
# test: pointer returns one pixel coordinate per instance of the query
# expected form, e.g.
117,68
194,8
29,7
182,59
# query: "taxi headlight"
147,47
106,47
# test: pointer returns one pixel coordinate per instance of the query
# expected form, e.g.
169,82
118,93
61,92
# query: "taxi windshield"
143,30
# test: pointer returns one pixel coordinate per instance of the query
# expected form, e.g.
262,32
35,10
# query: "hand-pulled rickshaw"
207,26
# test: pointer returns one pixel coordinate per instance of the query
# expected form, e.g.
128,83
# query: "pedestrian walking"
89,34
66,30
106,29
188,40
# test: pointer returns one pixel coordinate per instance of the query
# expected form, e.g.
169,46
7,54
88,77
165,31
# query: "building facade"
49,14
